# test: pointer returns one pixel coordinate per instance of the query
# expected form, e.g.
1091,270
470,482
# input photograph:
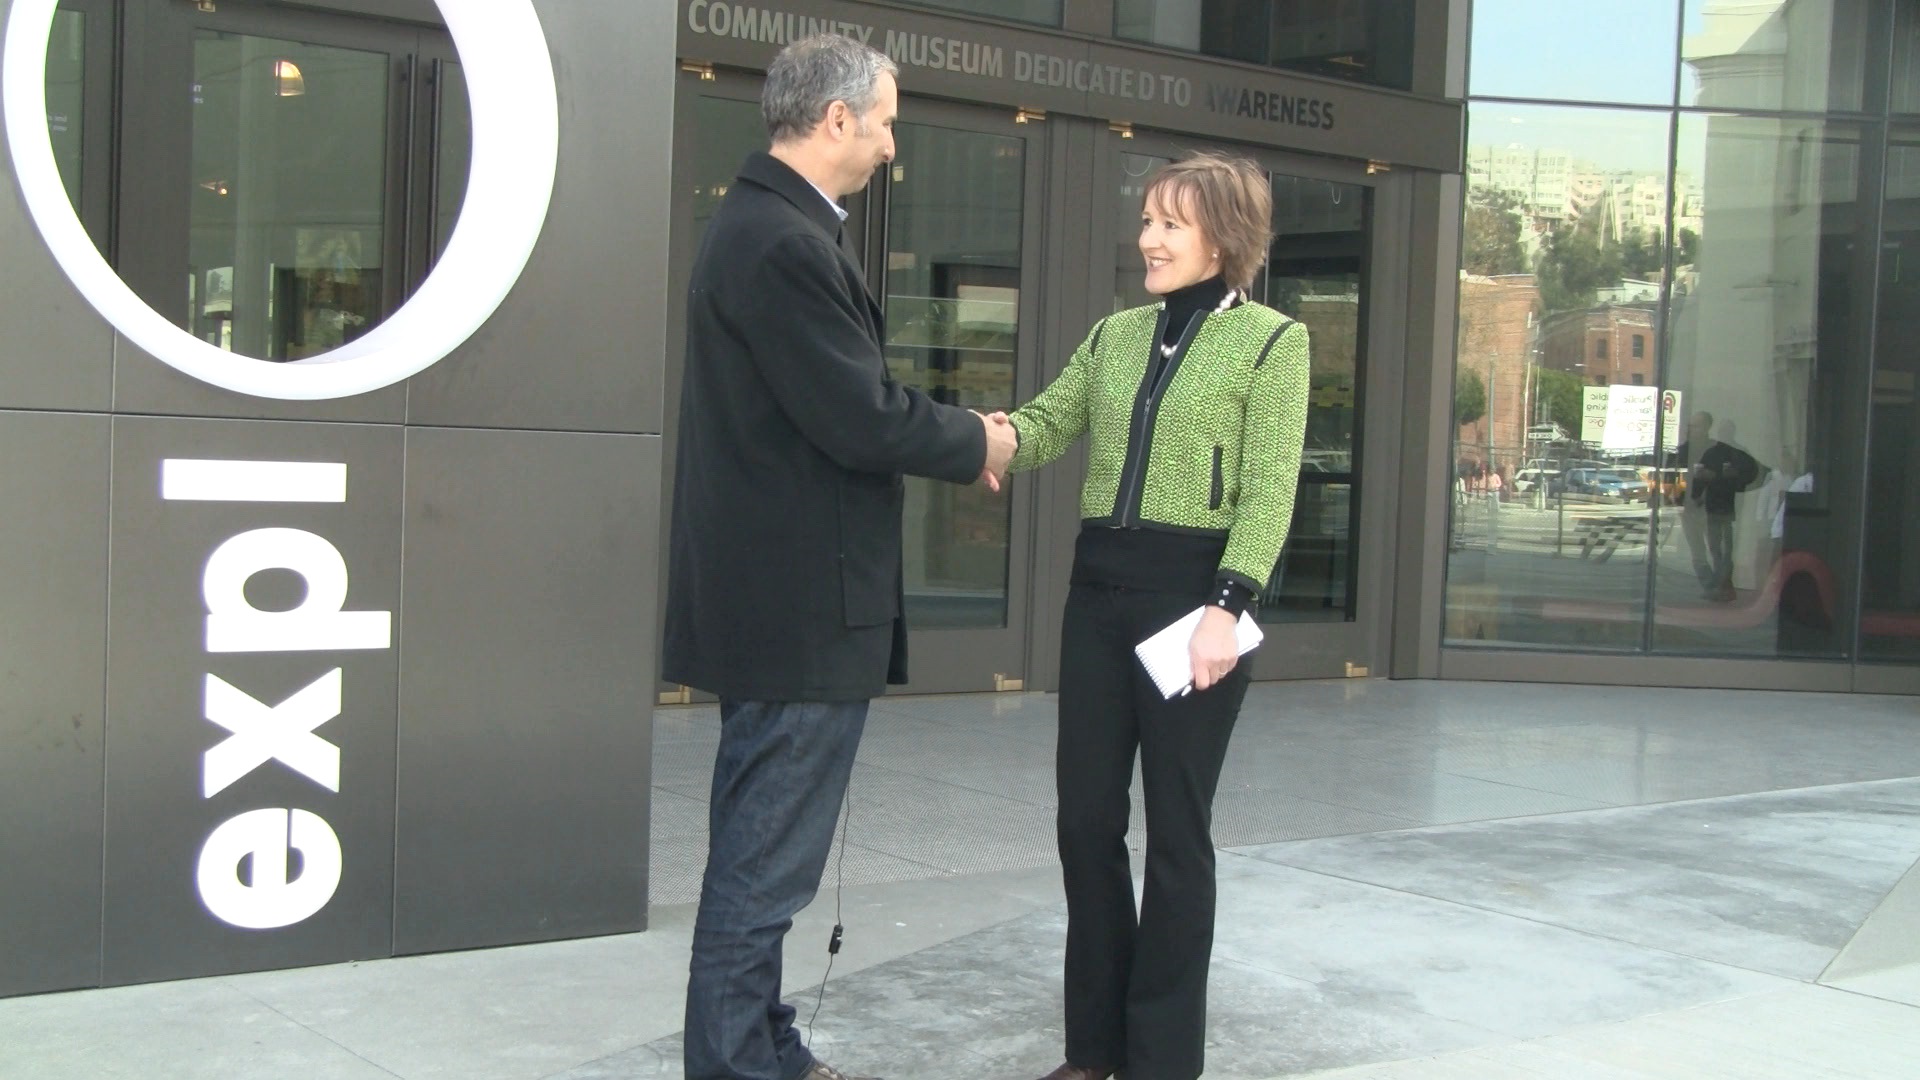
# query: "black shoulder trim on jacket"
1271,338
1098,328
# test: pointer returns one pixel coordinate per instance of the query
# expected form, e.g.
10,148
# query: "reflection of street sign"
1670,418
1593,413
1631,412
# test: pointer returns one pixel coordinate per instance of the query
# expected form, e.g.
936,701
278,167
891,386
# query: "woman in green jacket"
1194,408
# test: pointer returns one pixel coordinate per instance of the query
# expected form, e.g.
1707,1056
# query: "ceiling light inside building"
288,82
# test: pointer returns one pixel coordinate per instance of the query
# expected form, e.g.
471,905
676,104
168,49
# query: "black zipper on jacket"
1218,493
1126,506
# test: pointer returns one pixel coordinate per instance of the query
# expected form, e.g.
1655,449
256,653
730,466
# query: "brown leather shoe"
1071,1071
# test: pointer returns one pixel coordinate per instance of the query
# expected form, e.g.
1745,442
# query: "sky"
1622,51
1614,50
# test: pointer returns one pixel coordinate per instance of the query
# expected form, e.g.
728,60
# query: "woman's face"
1176,252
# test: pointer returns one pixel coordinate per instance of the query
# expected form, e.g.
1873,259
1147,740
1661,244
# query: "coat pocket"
1218,493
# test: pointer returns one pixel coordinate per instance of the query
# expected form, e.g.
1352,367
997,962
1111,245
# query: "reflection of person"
784,592
1195,409
1790,479
1717,471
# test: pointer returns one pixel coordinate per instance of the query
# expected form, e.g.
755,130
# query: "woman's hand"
1214,649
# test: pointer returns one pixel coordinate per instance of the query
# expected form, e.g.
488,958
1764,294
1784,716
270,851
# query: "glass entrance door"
1323,609
954,242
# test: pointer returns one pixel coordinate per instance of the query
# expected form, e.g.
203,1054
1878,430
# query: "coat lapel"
767,171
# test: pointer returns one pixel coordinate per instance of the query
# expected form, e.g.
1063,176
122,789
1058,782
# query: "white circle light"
516,149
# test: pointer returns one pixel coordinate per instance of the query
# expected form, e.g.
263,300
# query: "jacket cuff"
1020,455
1232,593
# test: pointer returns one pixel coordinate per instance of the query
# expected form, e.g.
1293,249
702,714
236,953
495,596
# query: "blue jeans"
778,782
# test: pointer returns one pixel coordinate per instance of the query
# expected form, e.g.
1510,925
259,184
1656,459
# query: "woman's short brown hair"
1231,202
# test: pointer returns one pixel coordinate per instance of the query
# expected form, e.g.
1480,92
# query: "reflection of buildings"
1540,181
1636,205
1499,320
1609,344
1550,187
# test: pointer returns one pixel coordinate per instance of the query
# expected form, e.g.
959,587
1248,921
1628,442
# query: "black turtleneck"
1184,303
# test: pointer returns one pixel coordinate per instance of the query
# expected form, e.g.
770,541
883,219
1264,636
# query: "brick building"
1611,344
1499,325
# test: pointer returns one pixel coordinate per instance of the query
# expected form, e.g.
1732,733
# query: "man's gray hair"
813,73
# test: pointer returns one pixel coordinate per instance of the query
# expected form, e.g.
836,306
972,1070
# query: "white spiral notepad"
1165,655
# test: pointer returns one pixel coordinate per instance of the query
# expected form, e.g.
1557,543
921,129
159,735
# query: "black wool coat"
784,569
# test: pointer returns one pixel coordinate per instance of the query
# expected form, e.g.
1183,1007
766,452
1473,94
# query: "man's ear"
836,118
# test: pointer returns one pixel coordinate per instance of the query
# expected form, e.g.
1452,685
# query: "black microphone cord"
839,929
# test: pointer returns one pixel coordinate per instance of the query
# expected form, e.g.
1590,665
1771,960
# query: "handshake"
1002,441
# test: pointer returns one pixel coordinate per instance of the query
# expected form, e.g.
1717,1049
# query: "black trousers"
1136,983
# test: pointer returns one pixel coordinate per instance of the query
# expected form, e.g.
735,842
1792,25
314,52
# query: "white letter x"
282,732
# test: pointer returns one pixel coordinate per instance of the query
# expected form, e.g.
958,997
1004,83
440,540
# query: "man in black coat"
785,591
1717,471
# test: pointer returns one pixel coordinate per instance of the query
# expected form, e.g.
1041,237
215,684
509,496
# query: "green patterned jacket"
1243,371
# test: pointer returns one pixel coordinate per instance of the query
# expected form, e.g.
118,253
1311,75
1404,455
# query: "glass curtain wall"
1669,309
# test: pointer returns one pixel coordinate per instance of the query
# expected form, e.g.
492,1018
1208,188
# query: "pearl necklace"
1232,299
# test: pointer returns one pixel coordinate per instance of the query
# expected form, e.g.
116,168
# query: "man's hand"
1214,649
1002,441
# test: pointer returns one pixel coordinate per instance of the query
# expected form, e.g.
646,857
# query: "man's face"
869,145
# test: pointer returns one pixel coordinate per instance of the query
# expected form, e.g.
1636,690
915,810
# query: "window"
1639,379
1600,349
80,81
1368,41
1042,12
1890,612
301,190
1639,346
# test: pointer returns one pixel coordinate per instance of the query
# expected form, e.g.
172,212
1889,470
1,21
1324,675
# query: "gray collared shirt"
838,210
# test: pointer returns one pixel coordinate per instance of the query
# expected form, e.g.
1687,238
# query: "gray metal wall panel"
57,353
1886,679
527,683
577,346
145,385
1621,669
156,923
53,575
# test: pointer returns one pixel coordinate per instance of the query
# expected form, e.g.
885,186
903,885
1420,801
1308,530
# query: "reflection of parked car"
1633,486
1668,485
1527,479
1598,482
